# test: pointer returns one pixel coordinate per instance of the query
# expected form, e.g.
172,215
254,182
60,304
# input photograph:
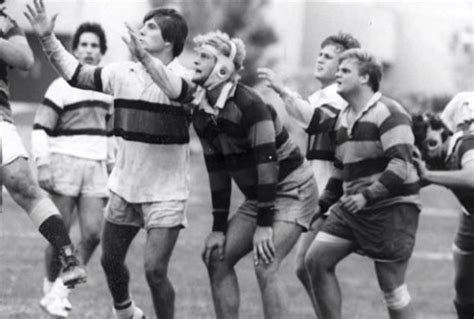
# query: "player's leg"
224,284
163,221
464,284
91,216
321,260
55,300
305,241
120,228
19,181
397,225
274,296
463,253
391,278
159,246
92,200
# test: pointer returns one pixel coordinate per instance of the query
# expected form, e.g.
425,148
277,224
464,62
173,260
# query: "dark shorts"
383,234
464,239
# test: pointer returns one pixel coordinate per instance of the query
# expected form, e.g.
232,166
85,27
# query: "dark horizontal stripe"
407,189
150,107
364,168
98,79
87,104
265,153
391,181
231,129
362,131
48,130
289,164
266,193
394,120
52,105
320,155
338,164
168,127
402,151
221,199
75,77
214,163
60,132
151,139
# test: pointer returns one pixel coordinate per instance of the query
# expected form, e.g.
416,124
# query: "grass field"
430,274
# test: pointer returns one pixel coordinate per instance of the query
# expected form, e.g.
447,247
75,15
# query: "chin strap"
224,68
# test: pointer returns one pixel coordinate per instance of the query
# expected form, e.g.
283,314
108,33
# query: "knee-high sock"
46,217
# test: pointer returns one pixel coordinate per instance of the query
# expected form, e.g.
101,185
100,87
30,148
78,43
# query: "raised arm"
173,85
14,49
298,108
76,74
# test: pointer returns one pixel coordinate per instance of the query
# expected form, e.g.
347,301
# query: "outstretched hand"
273,80
40,22
133,43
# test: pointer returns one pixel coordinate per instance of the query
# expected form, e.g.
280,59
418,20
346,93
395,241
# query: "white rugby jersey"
152,131
73,122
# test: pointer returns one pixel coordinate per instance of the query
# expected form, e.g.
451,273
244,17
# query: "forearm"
64,62
451,179
170,83
298,108
17,54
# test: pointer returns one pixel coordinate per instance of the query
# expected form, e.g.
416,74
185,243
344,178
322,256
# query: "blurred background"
427,47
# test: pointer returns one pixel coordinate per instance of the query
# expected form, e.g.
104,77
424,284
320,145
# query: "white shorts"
75,176
11,144
163,214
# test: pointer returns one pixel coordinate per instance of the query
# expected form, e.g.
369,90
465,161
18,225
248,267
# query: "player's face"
151,38
327,63
204,63
348,78
88,49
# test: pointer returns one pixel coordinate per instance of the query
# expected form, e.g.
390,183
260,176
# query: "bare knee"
316,264
300,269
91,236
267,273
24,191
155,273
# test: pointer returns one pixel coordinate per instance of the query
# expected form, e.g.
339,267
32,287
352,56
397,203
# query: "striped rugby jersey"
461,153
374,156
72,121
152,131
8,29
247,142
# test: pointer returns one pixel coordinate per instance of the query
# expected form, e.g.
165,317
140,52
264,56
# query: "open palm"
40,22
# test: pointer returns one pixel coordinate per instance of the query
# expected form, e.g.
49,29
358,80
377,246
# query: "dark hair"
367,63
343,40
174,28
91,27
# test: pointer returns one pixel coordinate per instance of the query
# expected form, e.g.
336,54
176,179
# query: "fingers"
348,204
38,6
31,12
264,251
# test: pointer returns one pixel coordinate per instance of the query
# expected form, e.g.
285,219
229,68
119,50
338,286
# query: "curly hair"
221,41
